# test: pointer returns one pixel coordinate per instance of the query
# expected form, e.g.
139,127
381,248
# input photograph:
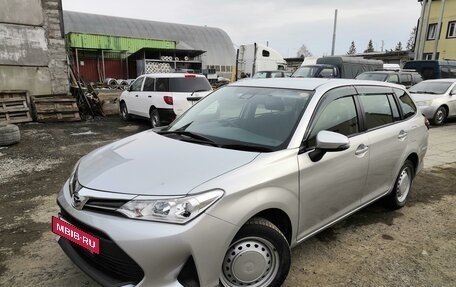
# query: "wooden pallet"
55,108
15,107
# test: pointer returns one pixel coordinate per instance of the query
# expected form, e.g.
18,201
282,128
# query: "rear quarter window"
189,85
406,103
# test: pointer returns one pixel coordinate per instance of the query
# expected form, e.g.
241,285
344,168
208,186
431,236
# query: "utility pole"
334,33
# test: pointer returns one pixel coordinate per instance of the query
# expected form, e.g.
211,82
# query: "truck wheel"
9,134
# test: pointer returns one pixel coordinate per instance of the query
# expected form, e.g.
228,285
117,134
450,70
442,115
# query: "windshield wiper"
200,138
247,147
424,92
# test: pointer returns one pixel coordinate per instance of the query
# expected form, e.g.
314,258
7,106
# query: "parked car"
270,74
436,99
405,78
250,171
160,97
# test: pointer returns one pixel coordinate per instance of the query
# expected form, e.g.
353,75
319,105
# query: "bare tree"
370,47
304,52
410,46
398,46
352,49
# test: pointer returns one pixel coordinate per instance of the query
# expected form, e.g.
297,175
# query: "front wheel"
259,256
439,116
154,118
402,186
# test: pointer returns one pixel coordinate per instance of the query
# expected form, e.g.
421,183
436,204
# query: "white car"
160,97
436,99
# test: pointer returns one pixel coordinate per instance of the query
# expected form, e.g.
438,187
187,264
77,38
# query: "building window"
451,30
432,31
428,56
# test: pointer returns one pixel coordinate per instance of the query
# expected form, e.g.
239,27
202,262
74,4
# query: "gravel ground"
415,246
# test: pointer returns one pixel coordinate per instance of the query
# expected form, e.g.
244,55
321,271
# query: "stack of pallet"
15,107
55,108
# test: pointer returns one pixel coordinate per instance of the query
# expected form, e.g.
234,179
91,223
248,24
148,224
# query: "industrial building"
114,47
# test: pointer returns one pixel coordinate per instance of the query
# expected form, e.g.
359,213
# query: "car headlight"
424,103
73,181
175,210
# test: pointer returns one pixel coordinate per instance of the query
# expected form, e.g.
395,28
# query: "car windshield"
372,76
305,72
428,87
244,118
189,84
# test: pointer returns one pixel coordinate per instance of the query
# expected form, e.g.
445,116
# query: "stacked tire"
9,134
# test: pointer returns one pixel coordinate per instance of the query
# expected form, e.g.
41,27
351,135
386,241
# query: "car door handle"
402,135
361,150
136,96
149,96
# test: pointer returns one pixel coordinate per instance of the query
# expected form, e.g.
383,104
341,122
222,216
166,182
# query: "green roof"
131,45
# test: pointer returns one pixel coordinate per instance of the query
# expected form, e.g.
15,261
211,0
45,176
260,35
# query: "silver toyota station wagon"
220,196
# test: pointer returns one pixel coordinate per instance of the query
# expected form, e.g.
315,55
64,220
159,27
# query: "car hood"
151,164
425,97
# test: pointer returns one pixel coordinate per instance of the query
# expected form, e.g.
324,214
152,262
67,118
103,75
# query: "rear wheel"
124,111
439,116
154,116
401,189
259,256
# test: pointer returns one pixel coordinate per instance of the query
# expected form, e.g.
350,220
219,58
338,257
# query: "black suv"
406,78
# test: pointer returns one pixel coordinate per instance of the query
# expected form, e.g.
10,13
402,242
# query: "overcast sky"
285,24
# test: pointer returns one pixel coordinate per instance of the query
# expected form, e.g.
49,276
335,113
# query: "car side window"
406,79
162,85
149,85
394,108
338,116
406,103
393,79
377,110
136,86
327,73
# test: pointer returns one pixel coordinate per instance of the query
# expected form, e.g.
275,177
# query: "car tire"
9,134
154,117
260,248
124,111
439,116
402,186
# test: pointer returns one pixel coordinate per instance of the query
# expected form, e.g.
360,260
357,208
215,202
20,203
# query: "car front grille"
112,260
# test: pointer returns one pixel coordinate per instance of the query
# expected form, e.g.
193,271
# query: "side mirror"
328,142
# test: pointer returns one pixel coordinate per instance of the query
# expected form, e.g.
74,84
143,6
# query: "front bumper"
428,111
160,250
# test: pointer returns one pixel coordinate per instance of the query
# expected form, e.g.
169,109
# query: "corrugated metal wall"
131,45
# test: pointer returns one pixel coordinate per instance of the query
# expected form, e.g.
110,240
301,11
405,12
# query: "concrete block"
36,80
23,45
21,12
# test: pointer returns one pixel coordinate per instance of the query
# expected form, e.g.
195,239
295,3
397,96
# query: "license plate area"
75,235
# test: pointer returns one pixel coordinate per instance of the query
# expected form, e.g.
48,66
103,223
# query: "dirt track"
415,246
